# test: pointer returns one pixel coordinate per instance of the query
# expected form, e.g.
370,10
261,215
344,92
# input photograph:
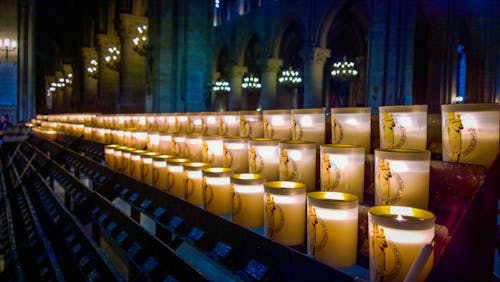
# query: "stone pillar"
314,61
89,82
68,88
58,98
359,96
269,81
133,66
235,98
108,78
48,101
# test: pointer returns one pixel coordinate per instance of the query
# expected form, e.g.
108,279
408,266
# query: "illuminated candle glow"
209,123
351,126
251,124
147,167
403,127
193,190
160,172
277,124
229,123
217,194
263,157
212,150
175,177
235,154
308,125
247,207
298,162
194,147
109,155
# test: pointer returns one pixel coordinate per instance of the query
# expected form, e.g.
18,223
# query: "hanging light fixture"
344,70
251,82
290,78
112,59
141,40
92,68
221,86
7,45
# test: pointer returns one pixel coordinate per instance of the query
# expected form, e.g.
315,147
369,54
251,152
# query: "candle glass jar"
194,123
165,144
235,154
251,125
397,235
342,169
284,212
403,127
209,123
229,123
193,190
247,207
194,147
277,124
332,228
153,144
147,167
173,124
160,172
139,139
175,176
117,163
298,162
135,167
178,145
161,120
351,126
183,122
109,155
125,165
217,194
402,177
308,125
263,157
212,149
470,133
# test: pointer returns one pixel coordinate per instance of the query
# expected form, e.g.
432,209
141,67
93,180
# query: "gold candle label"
208,193
288,167
177,126
387,257
188,185
206,155
386,184
204,126
190,126
389,126
256,162
316,228
222,126
175,147
245,128
337,130
274,216
296,129
330,174
268,129
236,201
227,156
170,181
455,148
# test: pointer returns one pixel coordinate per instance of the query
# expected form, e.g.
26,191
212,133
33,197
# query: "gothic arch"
221,60
241,48
291,22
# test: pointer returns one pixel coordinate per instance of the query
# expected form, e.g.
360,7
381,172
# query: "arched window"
461,73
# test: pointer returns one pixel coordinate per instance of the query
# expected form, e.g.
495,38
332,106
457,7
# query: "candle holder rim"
162,157
342,146
423,220
177,161
257,179
137,152
194,135
195,166
212,136
402,108
149,154
320,198
351,110
155,132
250,113
235,139
228,113
470,107
276,187
307,111
298,144
264,141
111,146
275,112
403,154
217,171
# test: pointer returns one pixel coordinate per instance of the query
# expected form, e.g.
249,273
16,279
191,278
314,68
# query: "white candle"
308,125
285,212
183,122
194,123
135,167
175,178
153,142
263,157
235,154
193,190
342,169
139,139
298,163
173,124
152,122
165,145
212,150
396,237
332,228
109,155
217,194
277,124
147,167
351,126
247,206
229,124
251,124
160,172
162,123
101,135
178,145
209,123
403,126
194,147
402,177
470,133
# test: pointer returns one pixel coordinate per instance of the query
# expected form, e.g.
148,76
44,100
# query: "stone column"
108,78
133,65
359,97
48,101
68,88
269,81
314,61
89,82
58,98
235,98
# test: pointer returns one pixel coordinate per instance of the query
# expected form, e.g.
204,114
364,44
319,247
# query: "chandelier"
221,86
113,58
344,70
92,68
7,45
251,82
141,40
290,78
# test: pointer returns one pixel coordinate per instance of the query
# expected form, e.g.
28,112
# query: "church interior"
249,140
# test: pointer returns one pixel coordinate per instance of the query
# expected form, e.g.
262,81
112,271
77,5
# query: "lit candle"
235,154
139,139
109,155
263,157
194,123
217,194
193,190
152,122
470,133
251,124
277,124
298,162
117,163
229,124
402,177
165,145
173,124
126,153
153,141
101,135
178,145
127,139
135,166
194,147
161,120
247,206
351,126
212,150
403,127
342,169
332,228
285,212
308,124
183,122
107,136
160,172
175,178
147,167
209,123
397,235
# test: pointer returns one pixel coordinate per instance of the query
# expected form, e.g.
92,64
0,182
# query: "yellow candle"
139,139
298,163
308,125
194,147
397,235
209,123
277,124
107,136
217,195
161,120
173,124
152,122
109,155
126,153
194,123
193,190
247,206
153,144
135,164
285,212
147,167
402,177
212,150
332,228
403,126
251,124
351,126
160,172
182,121
342,169
263,157
117,163
165,145
178,145
229,124
175,178
101,135
235,154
